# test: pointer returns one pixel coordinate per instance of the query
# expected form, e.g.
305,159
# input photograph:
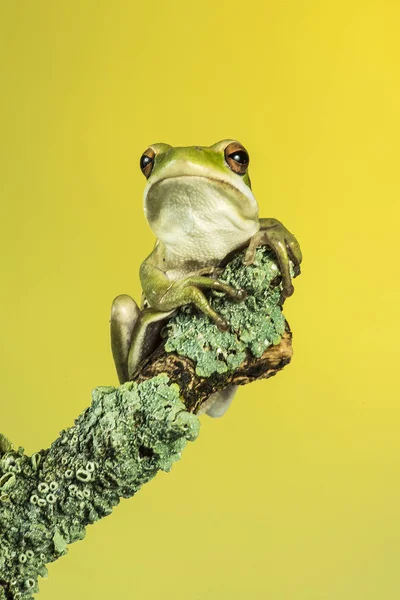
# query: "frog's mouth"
221,182
199,206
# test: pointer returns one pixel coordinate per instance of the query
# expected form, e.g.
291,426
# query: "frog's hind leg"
124,315
145,337
219,402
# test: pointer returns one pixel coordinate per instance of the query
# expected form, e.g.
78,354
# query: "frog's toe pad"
241,295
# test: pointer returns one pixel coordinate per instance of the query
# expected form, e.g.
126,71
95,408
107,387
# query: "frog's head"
197,190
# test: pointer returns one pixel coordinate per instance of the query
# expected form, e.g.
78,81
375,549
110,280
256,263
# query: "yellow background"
295,493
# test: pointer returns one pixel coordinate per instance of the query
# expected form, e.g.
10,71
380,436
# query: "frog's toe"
249,256
287,289
212,271
294,251
222,324
241,295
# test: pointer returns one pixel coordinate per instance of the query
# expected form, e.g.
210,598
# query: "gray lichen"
255,324
116,445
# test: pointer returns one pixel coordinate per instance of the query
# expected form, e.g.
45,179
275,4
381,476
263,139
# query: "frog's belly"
201,250
199,221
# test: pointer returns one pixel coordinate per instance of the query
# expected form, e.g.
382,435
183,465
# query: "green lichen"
255,324
116,445
5,444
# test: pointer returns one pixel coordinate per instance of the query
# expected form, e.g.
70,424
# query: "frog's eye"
237,158
147,162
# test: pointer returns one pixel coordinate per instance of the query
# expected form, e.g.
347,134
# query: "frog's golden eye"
237,158
147,162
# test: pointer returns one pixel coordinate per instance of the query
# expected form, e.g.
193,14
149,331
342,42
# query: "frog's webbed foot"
275,235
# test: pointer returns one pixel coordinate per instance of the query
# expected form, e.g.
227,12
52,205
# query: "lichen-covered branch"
202,360
115,446
130,432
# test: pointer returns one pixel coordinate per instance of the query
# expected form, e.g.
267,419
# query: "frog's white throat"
200,219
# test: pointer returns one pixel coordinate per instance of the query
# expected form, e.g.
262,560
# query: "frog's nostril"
198,148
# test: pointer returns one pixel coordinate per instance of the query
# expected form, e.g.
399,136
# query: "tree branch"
130,432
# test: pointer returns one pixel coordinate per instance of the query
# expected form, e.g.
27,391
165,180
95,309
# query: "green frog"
199,204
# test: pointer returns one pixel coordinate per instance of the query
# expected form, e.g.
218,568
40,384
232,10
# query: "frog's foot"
218,403
124,314
188,291
275,235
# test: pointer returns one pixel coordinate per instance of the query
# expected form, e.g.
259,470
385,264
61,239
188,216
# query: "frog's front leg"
164,295
275,235
135,333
